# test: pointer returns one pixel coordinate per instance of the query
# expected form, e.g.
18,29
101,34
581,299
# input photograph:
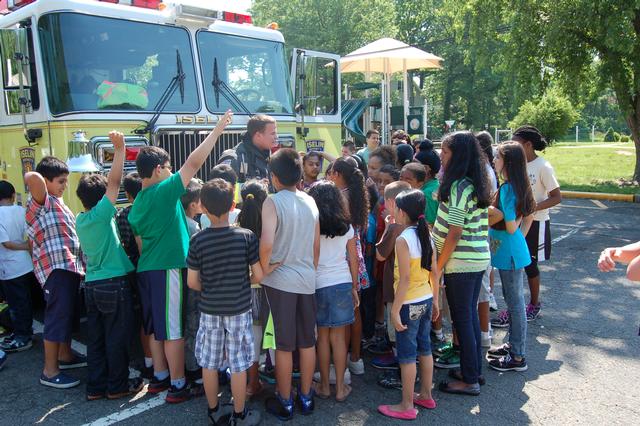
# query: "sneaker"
507,363
157,386
15,345
386,362
282,409
6,339
356,367
441,348
332,376
485,342
222,415
250,418
177,395
3,359
450,359
134,386
390,380
146,373
499,352
60,381
502,321
306,403
493,306
533,311
267,374
365,343
381,347
78,361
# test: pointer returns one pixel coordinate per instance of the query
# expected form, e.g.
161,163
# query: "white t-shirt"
492,178
206,223
13,227
333,266
543,181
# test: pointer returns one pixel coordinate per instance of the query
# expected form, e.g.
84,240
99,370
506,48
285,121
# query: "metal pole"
405,95
576,134
425,117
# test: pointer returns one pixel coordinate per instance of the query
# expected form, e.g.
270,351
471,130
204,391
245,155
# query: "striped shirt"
51,229
223,257
472,251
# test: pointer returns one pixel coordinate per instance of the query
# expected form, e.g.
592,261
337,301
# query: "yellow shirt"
419,285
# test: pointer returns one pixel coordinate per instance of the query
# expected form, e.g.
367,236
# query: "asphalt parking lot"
582,354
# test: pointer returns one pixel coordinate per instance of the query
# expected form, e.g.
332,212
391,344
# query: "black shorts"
294,319
539,240
61,293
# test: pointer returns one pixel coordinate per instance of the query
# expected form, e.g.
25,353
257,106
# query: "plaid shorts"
229,337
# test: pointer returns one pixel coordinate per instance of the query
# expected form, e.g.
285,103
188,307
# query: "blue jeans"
18,293
415,340
513,292
462,294
109,325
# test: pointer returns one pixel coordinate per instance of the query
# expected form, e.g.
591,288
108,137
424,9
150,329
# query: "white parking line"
563,236
130,412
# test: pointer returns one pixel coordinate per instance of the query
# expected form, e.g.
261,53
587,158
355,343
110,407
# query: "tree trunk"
633,121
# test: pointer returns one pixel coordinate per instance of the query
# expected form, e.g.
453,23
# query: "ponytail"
253,194
358,199
422,231
413,203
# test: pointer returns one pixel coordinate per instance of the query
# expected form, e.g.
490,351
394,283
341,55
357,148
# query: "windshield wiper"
177,82
220,87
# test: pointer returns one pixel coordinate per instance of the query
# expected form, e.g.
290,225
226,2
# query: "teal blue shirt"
508,251
100,243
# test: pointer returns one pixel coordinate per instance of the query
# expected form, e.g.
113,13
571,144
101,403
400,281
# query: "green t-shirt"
158,218
472,251
100,242
430,191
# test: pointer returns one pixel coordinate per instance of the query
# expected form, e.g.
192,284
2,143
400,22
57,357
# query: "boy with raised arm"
51,227
107,283
159,223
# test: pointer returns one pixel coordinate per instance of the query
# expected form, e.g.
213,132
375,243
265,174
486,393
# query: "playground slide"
352,110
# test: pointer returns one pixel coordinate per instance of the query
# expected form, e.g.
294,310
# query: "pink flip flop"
411,414
424,403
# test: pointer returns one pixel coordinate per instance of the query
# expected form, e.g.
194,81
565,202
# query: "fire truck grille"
179,144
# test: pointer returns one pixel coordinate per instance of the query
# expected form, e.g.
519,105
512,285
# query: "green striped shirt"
472,252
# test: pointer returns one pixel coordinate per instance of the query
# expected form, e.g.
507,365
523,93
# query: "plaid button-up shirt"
126,235
52,230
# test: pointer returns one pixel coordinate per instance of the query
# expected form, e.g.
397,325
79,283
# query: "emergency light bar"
183,11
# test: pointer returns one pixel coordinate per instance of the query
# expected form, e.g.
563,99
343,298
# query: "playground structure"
388,57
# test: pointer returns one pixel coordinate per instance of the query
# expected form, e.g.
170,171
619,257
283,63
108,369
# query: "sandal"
410,414
258,391
471,390
457,374
320,394
347,393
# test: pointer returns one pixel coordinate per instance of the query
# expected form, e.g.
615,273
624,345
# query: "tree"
571,38
552,114
336,26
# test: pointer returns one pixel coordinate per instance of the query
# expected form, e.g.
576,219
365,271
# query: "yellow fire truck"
161,72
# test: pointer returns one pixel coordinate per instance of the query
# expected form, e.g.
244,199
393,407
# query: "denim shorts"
415,339
335,305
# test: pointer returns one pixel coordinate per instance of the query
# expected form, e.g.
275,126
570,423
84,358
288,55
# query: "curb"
629,198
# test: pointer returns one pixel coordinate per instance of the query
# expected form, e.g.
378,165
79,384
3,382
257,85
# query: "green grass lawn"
593,167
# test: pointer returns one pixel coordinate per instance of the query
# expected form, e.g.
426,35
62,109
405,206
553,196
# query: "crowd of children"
393,243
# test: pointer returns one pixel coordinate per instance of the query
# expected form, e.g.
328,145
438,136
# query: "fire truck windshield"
94,63
254,70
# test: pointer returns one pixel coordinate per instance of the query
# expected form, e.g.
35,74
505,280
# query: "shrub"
624,138
552,114
609,136
616,136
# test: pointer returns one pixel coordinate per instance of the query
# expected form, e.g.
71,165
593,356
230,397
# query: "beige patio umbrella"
388,56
